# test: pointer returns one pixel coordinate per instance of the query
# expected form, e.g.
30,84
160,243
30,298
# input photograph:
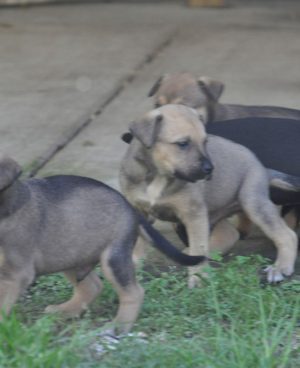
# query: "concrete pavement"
255,51
73,77
59,66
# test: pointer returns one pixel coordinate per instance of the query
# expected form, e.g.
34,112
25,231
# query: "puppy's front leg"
198,235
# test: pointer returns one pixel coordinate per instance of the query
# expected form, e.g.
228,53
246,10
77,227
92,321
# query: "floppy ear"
9,172
146,130
211,87
156,86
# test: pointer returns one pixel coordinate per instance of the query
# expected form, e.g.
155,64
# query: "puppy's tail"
284,181
162,244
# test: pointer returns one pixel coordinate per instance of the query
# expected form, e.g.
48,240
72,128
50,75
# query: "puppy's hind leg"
265,214
11,287
223,237
85,291
243,225
118,268
291,217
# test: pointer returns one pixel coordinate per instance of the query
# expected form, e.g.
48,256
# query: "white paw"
52,309
108,330
273,274
194,281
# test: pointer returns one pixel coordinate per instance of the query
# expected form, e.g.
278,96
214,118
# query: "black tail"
163,245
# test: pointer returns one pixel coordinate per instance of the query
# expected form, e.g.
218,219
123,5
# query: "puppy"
275,141
70,224
276,144
163,174
203,94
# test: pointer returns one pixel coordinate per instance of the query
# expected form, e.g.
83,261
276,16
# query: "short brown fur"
165,180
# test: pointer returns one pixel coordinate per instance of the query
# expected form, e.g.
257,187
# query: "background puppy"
162,174
70,224
276,143
203,94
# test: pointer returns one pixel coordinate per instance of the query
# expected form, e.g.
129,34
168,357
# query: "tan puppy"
163,174
203,94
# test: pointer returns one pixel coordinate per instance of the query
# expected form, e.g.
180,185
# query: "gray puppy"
70,224
203,94
162,175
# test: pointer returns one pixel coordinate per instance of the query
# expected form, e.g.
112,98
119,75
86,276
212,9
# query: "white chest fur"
155,189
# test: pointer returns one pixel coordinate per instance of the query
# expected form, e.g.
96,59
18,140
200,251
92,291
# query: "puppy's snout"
206,166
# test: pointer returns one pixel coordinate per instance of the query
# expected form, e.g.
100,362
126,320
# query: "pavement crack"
89,118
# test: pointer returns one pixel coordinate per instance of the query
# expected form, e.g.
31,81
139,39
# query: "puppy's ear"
211,87
156,86
127,137
202,117
9,172
146,131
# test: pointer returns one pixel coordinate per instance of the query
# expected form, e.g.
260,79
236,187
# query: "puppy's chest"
156,202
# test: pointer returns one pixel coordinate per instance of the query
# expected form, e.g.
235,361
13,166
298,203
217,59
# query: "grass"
233,321
41,344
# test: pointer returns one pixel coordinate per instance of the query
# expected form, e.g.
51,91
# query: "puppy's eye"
183,144
157,105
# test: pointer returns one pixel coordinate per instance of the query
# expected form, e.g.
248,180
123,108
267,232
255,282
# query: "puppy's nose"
206,166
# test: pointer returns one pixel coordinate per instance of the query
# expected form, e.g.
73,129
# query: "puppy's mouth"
192,177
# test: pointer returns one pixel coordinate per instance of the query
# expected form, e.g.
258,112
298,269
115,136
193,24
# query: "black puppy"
276,142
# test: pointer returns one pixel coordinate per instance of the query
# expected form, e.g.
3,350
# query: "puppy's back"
72,219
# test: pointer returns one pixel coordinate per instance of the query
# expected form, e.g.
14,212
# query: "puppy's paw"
276,273
52,308
108,330
67,311
273,274
194,281
197,279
